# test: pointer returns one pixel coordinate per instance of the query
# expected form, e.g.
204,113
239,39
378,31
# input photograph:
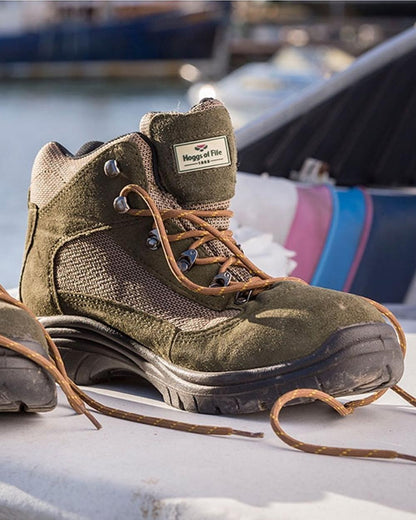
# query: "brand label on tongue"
200,155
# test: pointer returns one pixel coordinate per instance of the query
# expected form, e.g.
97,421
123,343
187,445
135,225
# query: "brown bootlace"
257,283
76,397
343,409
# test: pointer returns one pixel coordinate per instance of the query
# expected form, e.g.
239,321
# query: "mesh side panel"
52,169
97,266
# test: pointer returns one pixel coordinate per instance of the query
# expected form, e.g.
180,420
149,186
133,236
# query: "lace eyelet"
121,205
187,260
242,297
153,240
111,168
221,280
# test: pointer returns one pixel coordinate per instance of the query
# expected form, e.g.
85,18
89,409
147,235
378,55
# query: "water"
33,113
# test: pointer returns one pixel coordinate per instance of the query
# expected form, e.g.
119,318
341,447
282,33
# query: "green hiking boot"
24,385
130,264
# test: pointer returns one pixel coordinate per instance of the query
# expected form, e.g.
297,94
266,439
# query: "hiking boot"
130,264
24,385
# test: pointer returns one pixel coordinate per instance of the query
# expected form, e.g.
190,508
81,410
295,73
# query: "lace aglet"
406,457
241,433
94,421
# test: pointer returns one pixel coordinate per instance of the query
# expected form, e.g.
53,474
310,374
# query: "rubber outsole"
356,359
24,386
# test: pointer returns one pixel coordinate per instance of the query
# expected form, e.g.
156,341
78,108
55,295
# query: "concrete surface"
56,466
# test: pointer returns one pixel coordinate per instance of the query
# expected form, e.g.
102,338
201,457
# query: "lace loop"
317,449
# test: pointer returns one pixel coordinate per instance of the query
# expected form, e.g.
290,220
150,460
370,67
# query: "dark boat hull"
143,46
158,37
362,122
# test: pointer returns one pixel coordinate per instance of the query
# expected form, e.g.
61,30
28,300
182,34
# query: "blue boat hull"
166,36
369,247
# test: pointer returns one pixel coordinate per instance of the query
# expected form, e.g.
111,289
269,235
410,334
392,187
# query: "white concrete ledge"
56,466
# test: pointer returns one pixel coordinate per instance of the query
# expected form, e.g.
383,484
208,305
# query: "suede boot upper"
83,258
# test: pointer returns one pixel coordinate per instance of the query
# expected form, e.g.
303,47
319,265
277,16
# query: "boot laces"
203,233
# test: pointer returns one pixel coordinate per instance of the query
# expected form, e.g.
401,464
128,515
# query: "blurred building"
262,27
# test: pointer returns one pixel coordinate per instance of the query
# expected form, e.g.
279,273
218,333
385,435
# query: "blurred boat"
359,239
49,39
352,222
252,89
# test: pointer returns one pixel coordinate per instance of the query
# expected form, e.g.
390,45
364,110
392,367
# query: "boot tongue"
196,153
197,163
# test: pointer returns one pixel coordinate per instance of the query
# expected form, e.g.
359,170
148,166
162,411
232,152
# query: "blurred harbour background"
78,71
